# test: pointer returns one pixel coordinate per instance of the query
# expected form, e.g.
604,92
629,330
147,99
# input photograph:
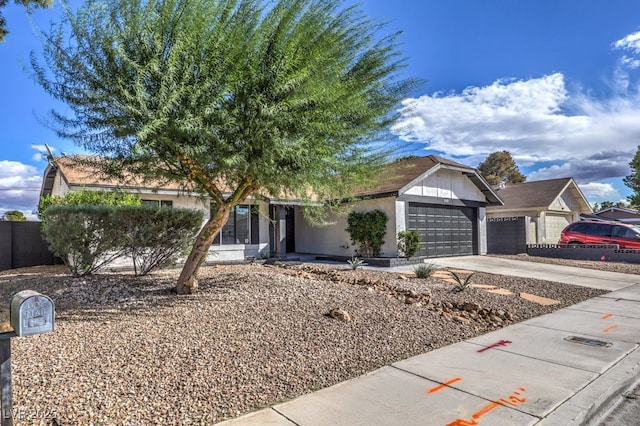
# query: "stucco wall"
334,240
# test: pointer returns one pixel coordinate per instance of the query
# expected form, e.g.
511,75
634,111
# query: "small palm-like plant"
463,284
424,270
355,262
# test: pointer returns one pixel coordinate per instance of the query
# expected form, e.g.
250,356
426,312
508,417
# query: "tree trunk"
188,281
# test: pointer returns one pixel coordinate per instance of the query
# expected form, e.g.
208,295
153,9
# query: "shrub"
155,237
86,197
90,237
409,243
368,231
424,270
463,284
85,237
355,263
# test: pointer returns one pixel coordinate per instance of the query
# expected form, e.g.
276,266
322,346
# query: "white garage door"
554,224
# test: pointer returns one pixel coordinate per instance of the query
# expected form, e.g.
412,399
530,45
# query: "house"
618,214
533,213
443,200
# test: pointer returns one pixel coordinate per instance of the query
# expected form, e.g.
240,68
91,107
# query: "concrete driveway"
592,278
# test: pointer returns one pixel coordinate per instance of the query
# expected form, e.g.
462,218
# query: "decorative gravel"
128,351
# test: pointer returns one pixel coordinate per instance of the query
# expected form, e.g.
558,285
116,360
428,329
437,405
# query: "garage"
444,230
554,224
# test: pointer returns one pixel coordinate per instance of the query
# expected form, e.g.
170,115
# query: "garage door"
554,224
444,231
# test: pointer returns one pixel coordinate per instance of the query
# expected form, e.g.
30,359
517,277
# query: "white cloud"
540,121
629,42
19,186
600,191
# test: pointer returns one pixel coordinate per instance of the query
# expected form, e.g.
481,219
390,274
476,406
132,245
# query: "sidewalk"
565,368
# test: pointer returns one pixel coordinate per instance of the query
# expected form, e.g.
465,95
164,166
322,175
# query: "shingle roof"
78,171
397,175
533,195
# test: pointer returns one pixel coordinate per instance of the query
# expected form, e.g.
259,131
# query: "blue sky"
555,82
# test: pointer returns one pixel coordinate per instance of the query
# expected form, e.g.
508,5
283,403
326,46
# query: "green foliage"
85,237
463,283
355,262
409,242
633,180
28,4
424,270
229,98
89,198
500,167
90,237
155,237
14,216
367,230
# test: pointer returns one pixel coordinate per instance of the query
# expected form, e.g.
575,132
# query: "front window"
237,229
157,203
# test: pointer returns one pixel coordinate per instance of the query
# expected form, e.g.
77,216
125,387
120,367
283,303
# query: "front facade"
442,200
536,212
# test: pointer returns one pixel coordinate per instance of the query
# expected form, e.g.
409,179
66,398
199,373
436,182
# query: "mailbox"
31,313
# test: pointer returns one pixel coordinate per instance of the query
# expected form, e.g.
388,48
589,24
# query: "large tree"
229,97
499,167
28,4
633,180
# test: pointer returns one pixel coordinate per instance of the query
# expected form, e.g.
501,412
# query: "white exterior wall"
447,184
334,240
482,230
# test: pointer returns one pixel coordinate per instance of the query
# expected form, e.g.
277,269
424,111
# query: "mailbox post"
30,313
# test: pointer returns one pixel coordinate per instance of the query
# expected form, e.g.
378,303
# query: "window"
240,227
623,232
157,203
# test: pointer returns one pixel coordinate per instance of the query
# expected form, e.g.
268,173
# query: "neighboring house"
534,213
443,200
618,214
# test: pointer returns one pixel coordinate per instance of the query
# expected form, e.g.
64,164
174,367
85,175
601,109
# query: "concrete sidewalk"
565,368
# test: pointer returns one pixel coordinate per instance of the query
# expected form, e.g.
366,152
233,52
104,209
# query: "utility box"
31,313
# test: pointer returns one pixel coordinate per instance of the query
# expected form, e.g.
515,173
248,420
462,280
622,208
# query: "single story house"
533,213
443,200
618,214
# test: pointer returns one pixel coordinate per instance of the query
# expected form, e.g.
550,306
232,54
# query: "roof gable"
396,176
540,195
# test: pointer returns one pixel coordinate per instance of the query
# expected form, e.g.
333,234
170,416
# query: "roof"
83,171
540,195
395,176
78,170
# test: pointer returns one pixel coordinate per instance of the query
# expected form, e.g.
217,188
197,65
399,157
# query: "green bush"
463,283
85,237
155,237
90,237
409,243
368,231
86,197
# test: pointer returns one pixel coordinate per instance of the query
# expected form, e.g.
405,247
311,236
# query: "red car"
625,235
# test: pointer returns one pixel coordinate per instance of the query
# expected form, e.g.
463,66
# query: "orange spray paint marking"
607,316
608,329
444,385
513,400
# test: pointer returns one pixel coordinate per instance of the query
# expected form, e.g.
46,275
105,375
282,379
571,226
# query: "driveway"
565,274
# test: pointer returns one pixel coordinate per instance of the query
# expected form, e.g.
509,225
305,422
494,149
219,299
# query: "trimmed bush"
367,230
85,237
409,243
90,237
155,237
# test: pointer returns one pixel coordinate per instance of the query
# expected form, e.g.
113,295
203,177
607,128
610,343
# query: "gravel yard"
128,351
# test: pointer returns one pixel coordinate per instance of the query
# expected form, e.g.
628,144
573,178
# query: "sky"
554,82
